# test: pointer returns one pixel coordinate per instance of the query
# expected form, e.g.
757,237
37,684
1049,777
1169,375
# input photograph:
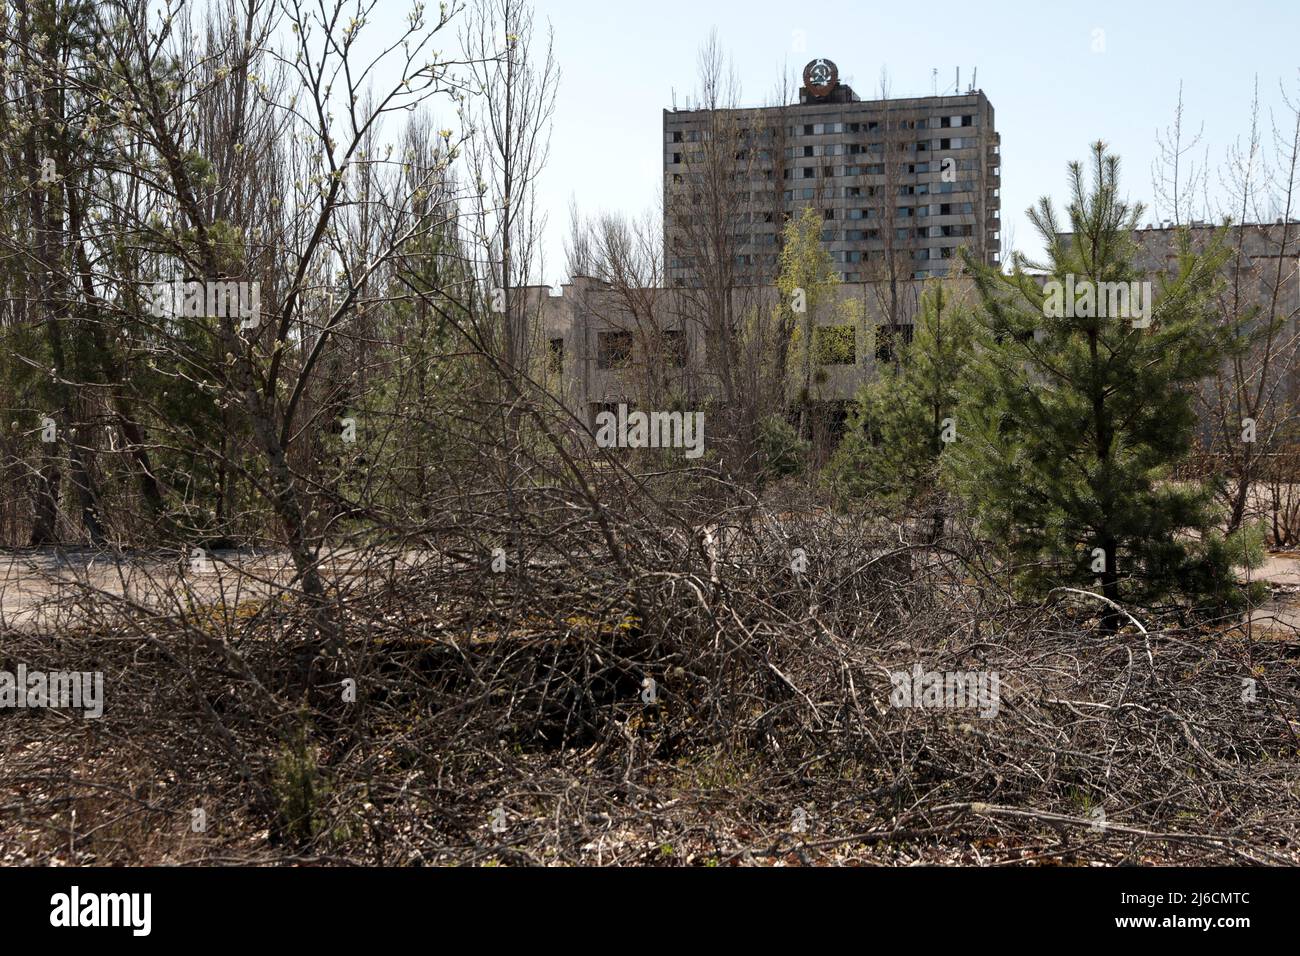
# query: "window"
614,350
835,344
674,348
677,136
890,337
555,356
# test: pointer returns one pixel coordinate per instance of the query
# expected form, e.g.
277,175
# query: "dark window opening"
674,348
889,338
835,344
614,350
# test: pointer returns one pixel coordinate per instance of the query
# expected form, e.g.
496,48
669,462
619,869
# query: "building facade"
606,345
899,184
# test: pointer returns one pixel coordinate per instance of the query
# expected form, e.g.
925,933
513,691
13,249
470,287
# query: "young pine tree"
1067,437
897,429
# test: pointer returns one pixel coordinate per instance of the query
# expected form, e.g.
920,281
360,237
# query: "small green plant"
299,788
784,452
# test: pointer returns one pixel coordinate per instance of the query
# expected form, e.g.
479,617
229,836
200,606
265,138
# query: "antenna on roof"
974,72
934,81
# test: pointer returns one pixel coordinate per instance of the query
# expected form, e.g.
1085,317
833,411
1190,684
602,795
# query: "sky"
1055,83
1059,78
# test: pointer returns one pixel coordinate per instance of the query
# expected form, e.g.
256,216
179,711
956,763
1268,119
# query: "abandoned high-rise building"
900,184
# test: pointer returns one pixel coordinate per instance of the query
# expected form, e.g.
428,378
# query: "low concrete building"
606,345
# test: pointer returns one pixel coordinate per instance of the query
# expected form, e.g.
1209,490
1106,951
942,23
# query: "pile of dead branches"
637,683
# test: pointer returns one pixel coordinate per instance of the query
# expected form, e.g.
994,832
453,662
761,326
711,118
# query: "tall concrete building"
899,184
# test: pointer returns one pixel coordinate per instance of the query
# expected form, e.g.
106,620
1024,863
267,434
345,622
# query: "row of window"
930,122
921,211
833,344
854,149
614,349
835,172
682,282
682,219
823,129
866,255
863,149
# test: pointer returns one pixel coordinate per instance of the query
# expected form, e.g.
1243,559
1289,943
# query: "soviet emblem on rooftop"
820,77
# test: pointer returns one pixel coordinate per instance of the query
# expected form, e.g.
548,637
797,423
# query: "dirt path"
38,586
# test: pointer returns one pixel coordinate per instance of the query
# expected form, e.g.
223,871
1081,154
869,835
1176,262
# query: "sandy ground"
1281,570
33,582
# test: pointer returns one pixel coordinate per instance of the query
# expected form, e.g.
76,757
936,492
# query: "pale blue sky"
621,61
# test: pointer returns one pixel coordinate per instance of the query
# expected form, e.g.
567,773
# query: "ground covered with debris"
678,693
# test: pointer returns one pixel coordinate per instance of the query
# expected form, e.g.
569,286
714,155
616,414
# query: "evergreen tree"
898,426
1078,400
